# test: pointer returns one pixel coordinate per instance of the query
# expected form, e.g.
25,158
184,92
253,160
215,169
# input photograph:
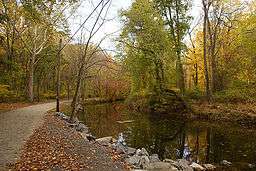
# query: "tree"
86,60
146,47
176,17
206,6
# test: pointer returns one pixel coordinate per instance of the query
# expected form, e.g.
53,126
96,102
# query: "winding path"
15,128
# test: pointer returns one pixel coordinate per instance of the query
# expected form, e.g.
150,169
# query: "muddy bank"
58,146
236,113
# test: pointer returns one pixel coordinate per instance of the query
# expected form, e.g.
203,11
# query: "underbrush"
231,95
234,95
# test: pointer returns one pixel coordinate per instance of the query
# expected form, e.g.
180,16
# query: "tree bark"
58,77
31,79
207,82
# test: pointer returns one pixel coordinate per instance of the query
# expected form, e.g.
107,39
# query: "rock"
169,161
104,140
183,165
161,166
90,137
84,135
251,166
225,163
142,152
121,139
144,162
62,116
154,158
120,148
82,128
134,160
197,167
209,166
138,152
131,151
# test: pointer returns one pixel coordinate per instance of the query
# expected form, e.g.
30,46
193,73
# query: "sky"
113,25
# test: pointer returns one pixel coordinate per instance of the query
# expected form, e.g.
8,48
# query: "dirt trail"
16,127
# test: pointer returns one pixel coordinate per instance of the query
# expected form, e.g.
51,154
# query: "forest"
195,60
160,47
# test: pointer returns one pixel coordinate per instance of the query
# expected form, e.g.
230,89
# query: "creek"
167,135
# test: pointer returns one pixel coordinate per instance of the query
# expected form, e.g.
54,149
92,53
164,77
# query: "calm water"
165,136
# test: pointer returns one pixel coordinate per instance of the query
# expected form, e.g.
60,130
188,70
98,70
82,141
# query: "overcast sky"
114,24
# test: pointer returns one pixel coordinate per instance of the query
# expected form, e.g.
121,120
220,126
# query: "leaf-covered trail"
16,127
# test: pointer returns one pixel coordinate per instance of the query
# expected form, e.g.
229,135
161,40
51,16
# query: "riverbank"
58,146
243,114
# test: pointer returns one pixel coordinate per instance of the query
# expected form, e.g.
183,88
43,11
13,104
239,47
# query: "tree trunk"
38,88
58,77
31,79
207,83
180,72
77,92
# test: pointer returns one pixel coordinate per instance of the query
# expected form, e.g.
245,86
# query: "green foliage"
6,93
241,95
196,94
146,46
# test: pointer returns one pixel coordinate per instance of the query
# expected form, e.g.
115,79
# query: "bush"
236,95
6,94
49,95
194,94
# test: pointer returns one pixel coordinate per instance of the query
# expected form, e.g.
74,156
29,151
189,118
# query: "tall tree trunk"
180,72
38,87
58,77
196,79
77,91
207,82
31,79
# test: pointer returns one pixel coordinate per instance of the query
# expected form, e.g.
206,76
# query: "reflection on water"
167,137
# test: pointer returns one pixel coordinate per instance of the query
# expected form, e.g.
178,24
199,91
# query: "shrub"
244,94
6,94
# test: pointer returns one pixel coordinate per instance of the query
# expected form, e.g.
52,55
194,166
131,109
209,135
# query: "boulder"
183,165
169,161
62,116
225,163
144,162
120,148
131,151
161,166
197,167
84,135
104,140
251,166
142,152
90,137
154,158
209,166
82,128
134,160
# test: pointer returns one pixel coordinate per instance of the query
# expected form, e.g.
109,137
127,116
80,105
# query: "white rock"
154,158
104,139
134,160
226,163
197,167
209,166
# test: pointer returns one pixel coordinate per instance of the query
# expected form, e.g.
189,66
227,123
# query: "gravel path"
16,127
55,146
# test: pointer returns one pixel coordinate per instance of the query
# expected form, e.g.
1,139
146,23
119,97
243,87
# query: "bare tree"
86,59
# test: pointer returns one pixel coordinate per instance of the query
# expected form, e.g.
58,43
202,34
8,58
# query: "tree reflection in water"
162,135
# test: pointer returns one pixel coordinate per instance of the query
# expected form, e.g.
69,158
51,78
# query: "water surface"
167,136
